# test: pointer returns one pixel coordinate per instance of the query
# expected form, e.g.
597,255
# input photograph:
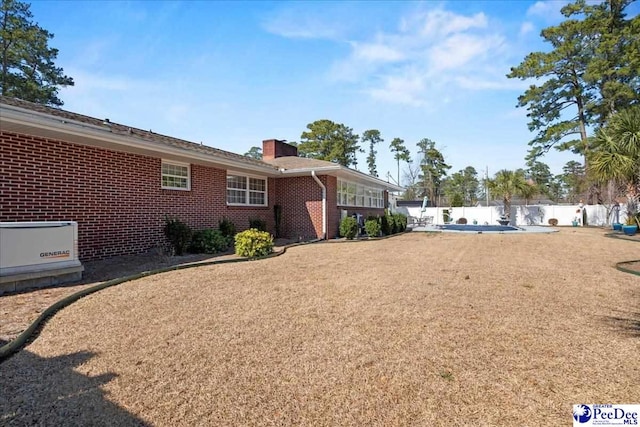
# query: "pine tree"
27,69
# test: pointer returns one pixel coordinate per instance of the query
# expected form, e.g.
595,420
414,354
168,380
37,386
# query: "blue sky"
230,74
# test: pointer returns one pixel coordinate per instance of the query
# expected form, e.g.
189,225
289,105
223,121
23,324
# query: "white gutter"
342,171
324,204
311,169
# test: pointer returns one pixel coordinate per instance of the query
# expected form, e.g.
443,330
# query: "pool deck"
523,229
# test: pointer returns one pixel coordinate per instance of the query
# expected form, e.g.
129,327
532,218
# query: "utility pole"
486,185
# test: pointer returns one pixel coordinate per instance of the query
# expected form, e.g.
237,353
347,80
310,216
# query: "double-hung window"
176,176
246,190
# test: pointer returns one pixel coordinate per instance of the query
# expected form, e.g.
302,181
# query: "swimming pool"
477,228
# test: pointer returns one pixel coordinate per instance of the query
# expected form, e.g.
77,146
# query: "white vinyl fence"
520,215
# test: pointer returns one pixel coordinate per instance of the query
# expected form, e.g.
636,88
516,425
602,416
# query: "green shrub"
258,224
392,224
386,223
227,227
208,241
349,228
372,227
178,233
253,243
228,230
399,223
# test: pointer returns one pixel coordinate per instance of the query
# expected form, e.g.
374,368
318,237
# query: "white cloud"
365,59
296,23
526,28
400,90
429,57
547,10
542,8
469,82
376,52
460,49
442,23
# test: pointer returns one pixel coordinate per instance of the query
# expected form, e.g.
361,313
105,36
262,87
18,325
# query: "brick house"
120,183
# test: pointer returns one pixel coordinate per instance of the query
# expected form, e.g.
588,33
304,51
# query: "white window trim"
171,162
247,190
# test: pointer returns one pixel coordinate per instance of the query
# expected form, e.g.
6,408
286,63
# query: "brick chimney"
274,148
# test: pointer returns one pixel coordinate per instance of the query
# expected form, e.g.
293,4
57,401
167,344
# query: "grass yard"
420,329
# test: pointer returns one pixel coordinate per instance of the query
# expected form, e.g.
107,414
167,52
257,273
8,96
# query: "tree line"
426,174
585,98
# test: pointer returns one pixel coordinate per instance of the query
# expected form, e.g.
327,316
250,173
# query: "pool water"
478,228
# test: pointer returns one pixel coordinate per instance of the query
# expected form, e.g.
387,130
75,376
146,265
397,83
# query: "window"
246,190
175,176
352,194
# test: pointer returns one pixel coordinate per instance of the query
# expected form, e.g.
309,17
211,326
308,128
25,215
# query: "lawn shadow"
49,391
628,323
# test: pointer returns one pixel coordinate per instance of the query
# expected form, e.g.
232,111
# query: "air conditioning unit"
38,254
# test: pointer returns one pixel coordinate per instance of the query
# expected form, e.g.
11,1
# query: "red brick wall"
301,201
333,214
115,197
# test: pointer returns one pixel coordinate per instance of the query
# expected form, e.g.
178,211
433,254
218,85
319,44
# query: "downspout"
324,204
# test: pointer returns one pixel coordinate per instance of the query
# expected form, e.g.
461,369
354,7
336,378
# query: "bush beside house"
253,243
372,227
349,228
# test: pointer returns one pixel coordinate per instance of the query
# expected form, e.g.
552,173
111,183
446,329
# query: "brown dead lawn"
420,329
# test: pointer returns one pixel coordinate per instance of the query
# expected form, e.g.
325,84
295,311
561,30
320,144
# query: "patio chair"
420,221
425,220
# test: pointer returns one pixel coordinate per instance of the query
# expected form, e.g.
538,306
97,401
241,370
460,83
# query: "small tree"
507,184
617,153
528,191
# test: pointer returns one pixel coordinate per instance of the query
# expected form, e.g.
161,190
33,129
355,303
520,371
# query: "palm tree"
617,152
507,184
528,191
